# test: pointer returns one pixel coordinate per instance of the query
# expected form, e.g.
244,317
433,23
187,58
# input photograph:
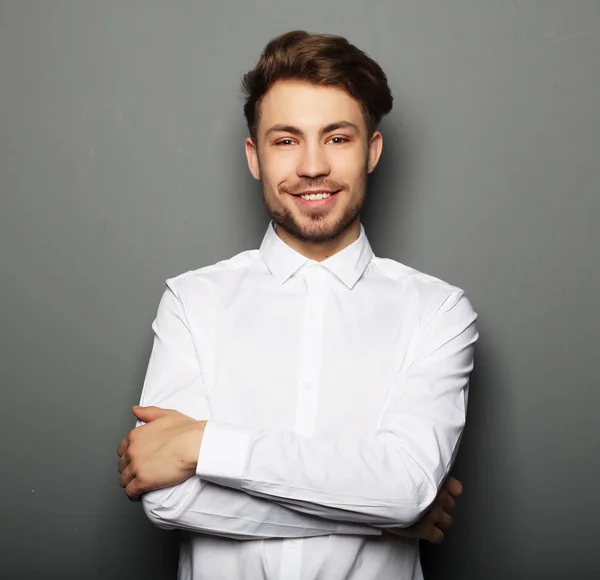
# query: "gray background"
121,164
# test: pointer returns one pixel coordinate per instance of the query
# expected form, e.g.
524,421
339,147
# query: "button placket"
291,560
312,340
306,408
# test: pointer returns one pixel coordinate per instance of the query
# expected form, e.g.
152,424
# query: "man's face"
312,155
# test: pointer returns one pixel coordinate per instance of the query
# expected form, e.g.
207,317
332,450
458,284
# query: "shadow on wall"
480,520
390,185
476,538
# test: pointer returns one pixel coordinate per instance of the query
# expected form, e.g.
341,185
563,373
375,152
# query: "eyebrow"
281,128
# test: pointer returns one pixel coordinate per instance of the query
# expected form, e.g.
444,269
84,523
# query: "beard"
316,226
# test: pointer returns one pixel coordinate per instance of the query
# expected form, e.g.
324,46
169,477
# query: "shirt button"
308,385
313,315
292,544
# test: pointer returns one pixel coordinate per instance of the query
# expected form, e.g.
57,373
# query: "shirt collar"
348,264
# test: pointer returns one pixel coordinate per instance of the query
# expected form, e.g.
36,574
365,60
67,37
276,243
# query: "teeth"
315,196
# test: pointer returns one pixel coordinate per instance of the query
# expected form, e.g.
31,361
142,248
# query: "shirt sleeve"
174,381
387,480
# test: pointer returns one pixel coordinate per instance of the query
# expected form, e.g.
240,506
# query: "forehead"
307,106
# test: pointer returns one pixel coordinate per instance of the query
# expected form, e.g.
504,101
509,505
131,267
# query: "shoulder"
215,277
403,276
430,295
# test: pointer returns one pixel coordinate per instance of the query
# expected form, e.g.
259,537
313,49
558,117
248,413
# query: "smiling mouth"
315,196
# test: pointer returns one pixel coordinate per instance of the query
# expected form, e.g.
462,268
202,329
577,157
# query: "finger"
435,536
138,485
122,447
127,475
454,487
124,462
147,414
133,492
443,521
448,504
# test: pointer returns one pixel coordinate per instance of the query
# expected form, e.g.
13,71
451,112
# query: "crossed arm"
415,447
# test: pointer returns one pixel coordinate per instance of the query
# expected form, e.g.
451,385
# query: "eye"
285,142
338,140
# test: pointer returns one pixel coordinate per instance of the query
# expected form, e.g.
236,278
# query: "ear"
252,156
375,148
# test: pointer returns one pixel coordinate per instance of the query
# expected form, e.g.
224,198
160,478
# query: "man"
304,400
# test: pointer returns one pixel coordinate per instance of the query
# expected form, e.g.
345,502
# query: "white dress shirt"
335,394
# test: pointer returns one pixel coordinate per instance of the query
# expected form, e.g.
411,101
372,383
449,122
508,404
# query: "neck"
320,251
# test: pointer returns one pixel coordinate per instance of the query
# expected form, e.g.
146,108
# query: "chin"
321,232
327,225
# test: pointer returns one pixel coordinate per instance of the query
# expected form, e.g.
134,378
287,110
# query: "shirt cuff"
223,454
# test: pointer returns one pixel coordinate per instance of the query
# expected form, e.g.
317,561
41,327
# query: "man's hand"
438,519
161,453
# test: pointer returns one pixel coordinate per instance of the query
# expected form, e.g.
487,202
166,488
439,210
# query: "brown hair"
319,59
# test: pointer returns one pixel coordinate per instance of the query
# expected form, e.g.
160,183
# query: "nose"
313,162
